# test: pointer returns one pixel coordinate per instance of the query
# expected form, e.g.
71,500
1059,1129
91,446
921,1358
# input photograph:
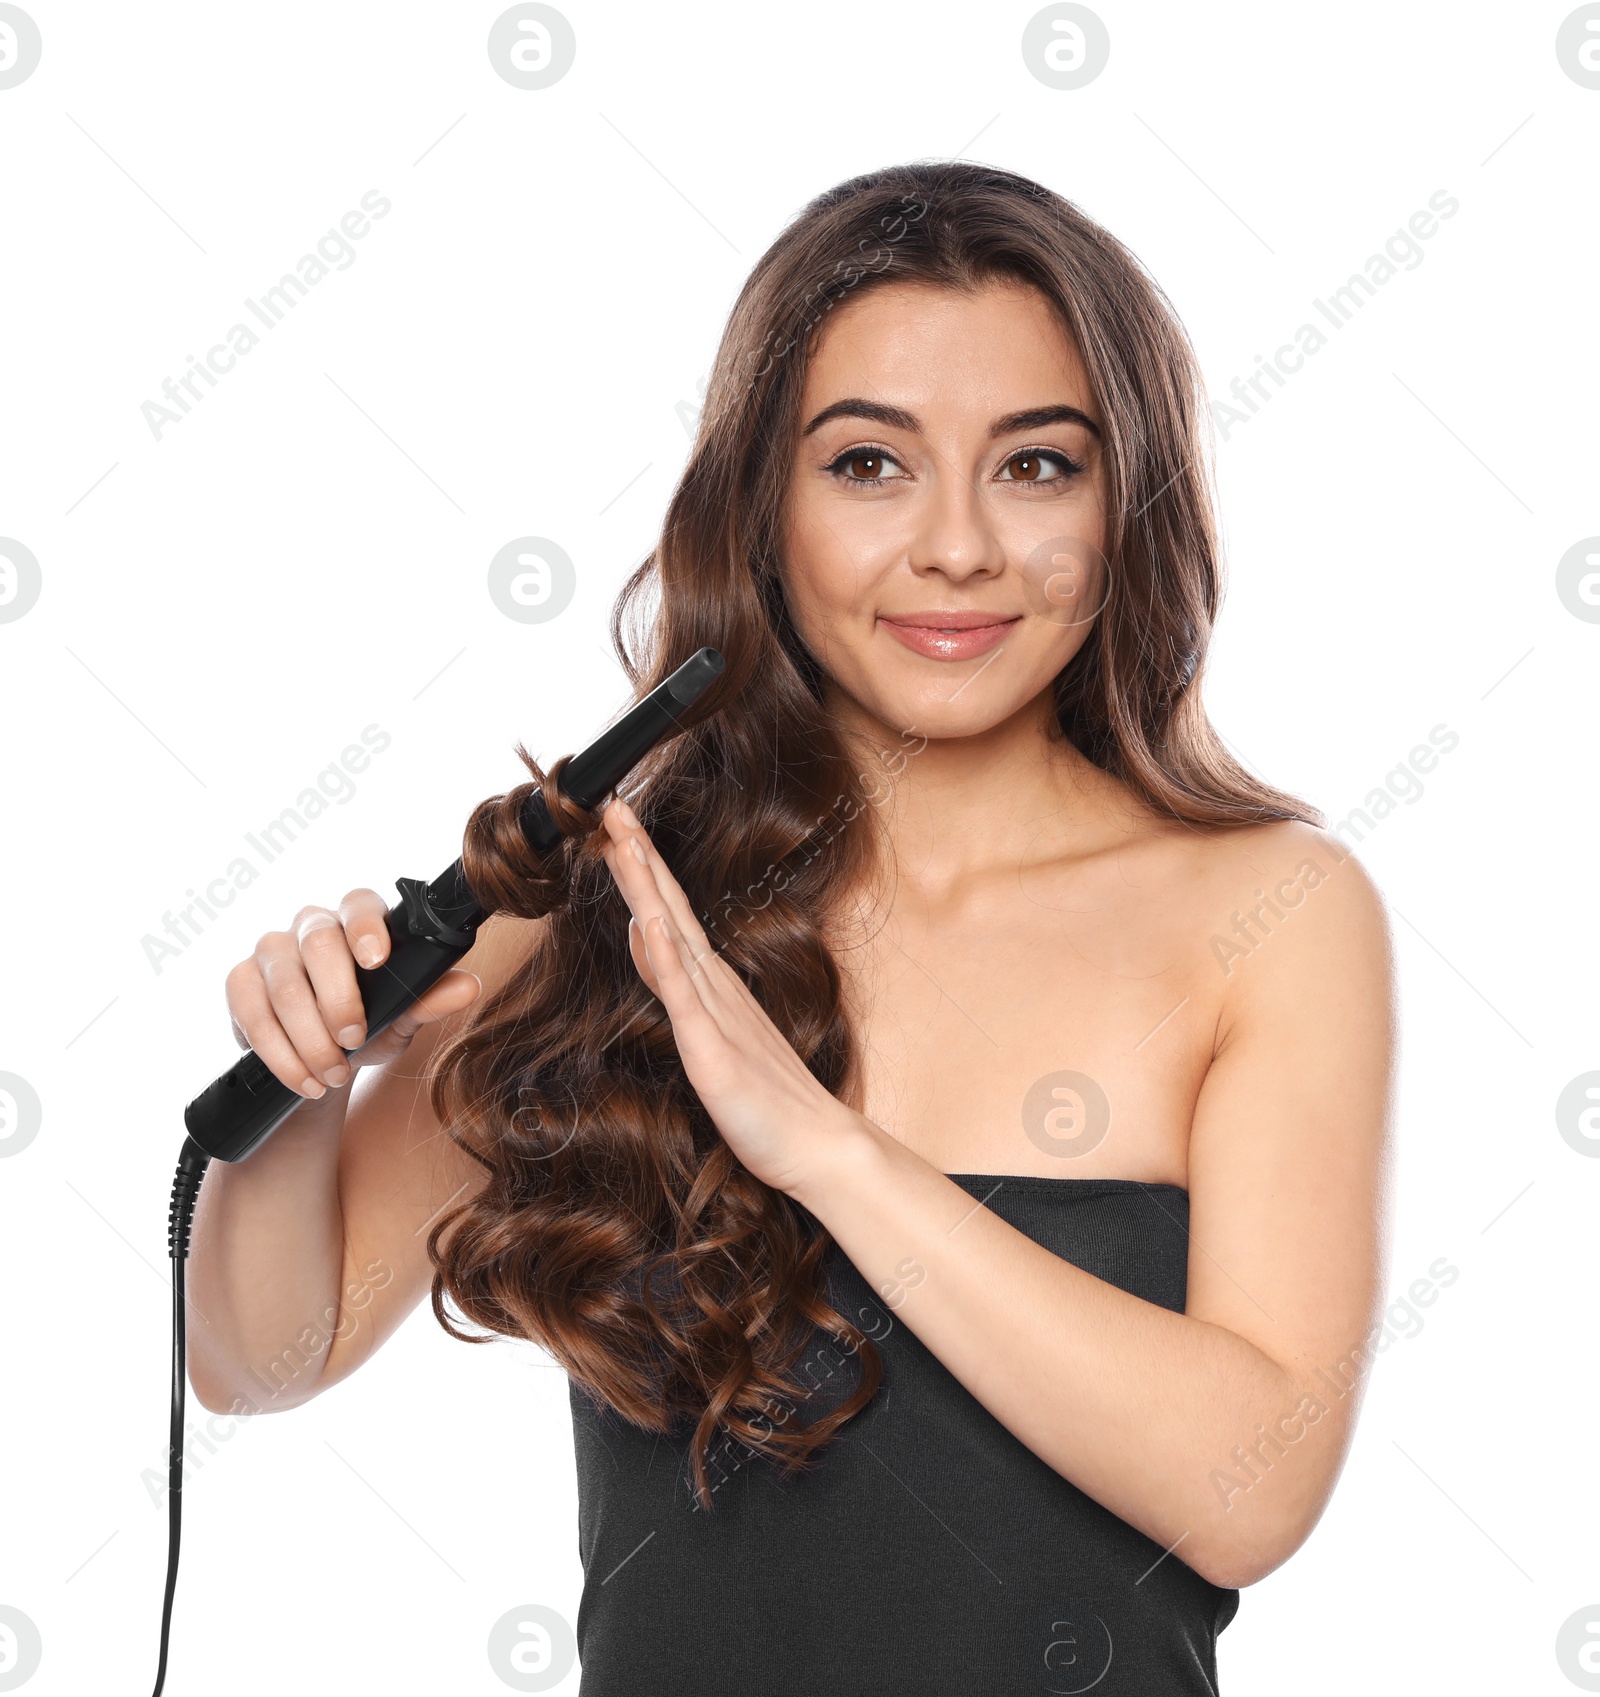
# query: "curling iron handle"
433,925
247,1103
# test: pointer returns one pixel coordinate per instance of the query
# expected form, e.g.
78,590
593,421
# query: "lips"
948,635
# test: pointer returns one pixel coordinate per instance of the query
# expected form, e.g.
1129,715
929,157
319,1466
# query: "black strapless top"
930,1553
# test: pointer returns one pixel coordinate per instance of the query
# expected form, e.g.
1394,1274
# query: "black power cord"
192,1164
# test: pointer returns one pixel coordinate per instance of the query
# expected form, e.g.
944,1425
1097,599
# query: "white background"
513,352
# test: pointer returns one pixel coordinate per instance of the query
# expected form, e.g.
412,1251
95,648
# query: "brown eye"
865,467
1029,467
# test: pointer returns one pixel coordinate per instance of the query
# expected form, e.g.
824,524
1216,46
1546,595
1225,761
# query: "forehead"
1002,345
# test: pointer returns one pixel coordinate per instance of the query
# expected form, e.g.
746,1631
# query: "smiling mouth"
948,636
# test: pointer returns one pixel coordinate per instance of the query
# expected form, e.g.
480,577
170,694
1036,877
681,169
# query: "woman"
941,1126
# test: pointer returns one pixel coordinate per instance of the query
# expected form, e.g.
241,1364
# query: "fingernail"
367,952
638,851
336,1075
629,817
312,1088
350,1037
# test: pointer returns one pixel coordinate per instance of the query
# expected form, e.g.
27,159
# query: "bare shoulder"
1274,921
1239,887
1291,917
1292,861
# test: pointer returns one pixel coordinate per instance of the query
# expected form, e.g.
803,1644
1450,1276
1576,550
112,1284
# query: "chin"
935,710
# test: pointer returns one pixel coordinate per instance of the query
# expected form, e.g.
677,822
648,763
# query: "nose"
954,533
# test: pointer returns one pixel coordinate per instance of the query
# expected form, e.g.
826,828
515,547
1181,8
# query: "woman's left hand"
771,1110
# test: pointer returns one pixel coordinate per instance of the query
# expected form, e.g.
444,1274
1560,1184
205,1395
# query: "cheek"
832,563
1040,650
1066,580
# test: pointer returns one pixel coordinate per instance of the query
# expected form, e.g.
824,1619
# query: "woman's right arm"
307,1254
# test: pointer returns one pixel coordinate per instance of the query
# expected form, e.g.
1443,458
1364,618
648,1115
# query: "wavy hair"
616,1228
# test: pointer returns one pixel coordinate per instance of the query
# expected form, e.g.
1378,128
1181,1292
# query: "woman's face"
946,510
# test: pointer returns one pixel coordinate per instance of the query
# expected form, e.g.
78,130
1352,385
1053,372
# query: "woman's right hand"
295,1000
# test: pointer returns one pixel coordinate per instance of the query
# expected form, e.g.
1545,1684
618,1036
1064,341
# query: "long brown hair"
616,1228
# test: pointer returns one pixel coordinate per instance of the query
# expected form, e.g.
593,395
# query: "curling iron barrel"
433,925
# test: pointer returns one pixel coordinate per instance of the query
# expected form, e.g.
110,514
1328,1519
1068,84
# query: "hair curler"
430,928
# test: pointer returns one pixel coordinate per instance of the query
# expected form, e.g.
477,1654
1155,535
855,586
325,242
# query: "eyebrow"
897,418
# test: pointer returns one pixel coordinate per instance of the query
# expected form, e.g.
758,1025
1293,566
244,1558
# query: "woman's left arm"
1218,1432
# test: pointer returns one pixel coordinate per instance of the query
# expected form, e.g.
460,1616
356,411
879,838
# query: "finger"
645,898
456,990
361,913
679,978
332,973
252,1011
294,1003
635,881
641,958
637,865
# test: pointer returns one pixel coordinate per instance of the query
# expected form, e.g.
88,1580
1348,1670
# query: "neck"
952,809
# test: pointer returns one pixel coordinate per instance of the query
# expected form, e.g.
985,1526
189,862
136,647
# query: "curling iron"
430,928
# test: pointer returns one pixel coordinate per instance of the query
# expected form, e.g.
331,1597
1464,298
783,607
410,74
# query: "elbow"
233,1381
218,1398
1241,1538
223,1392
1235,1557
1233,1570
218,1395
209,1398
208,1387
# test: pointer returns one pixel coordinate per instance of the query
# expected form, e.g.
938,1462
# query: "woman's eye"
861,465
1029,467
872,466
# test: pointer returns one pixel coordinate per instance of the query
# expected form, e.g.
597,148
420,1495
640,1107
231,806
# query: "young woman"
941,1125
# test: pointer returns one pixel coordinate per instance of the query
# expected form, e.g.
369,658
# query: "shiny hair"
616,1228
